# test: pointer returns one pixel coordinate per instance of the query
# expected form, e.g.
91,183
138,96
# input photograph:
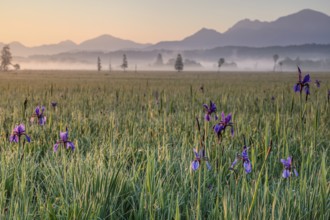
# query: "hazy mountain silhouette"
101,43
109,43
203,39
303,27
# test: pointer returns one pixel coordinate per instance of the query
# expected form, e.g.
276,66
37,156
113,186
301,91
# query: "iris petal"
194,165
28,139
247,166
306,79
70,145
232,131
64,136
295,172
284,162
55,147
286,173
234,163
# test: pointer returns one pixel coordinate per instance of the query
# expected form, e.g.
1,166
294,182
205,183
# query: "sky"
37,22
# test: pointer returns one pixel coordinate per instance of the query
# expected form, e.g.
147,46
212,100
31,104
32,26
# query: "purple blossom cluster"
17,132
64,136
209,110
226,121
245,158
288,167
38,114
199,157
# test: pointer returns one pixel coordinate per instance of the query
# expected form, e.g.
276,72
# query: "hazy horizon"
38,22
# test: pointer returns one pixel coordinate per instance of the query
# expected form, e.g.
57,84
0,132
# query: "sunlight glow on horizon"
37,22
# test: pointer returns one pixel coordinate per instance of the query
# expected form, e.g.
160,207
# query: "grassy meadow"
134,135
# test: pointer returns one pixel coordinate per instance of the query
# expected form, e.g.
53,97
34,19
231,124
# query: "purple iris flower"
199,156
287,163
64,136
245,158
18,131
39,114
212,108
223,124
302,84
318,83
54,104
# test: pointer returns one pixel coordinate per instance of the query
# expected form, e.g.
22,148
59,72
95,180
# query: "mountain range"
304,27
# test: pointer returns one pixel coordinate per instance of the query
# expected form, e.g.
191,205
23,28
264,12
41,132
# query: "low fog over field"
301,38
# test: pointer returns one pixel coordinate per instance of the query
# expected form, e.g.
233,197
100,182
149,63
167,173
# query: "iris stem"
301,123
198,211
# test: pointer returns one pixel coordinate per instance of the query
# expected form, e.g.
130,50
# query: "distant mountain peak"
309,12
305,14
206,30
67,43
248,24
204,33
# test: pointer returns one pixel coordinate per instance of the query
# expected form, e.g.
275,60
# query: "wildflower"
209,110
328,95
223,124
18,131
39,114
54,104
245,158
64,140
287,163
318,83
199,156
302,84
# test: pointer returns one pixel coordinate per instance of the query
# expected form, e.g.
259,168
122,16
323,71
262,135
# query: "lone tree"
281,65
110,68
275,58
125,64
220,63
17,66
5,58
99,66
178,63
159,60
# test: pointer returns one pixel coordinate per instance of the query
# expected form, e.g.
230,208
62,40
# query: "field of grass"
134,135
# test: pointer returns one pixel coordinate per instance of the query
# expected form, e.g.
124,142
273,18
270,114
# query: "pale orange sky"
36,22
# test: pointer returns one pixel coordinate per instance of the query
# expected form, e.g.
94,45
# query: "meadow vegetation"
134,135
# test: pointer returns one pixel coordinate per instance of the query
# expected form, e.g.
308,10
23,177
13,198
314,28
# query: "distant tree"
178,63
124,65
281,65
17,66
99,66
110,65
275,58
5,58
159,60
220,63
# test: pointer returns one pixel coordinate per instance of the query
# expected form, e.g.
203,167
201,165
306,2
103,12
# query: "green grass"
133,154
